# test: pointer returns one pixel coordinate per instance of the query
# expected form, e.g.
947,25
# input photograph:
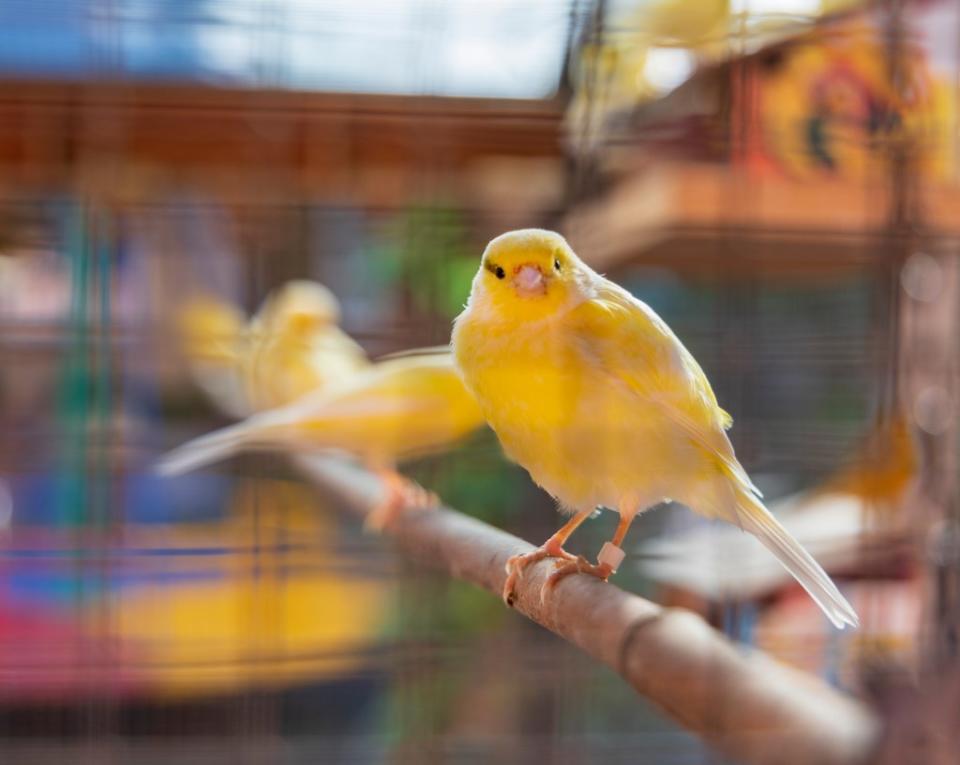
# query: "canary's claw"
518,563
578,565
402,494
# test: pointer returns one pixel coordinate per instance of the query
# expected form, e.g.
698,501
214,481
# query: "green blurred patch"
475,478
427,252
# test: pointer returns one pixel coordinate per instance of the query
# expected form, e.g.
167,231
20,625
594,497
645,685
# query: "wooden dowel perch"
746,705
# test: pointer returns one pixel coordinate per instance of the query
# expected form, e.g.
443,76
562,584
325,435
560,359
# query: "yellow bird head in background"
299,306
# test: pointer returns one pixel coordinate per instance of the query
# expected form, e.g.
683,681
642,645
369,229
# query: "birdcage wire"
134,197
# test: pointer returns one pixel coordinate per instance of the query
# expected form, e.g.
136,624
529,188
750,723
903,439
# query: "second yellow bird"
295,346
397,409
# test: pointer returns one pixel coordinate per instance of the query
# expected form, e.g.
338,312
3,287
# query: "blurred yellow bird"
213,336
295,346
292,346
591,392
397,409
885,464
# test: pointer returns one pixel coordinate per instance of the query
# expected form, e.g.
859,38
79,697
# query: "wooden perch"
746,705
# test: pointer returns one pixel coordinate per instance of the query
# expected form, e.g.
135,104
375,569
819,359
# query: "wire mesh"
790,223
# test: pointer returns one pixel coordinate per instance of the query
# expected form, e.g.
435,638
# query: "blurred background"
778,179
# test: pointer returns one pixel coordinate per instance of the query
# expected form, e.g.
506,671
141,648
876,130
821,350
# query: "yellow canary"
397,409
292,346
884,466
213,337
590,391
295,346
680,22
864,498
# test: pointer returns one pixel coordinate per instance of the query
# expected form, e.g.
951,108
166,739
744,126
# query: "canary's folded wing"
629,342
632,344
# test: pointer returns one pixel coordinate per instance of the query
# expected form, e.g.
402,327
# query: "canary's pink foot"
552,548
580,565
402,494
610,558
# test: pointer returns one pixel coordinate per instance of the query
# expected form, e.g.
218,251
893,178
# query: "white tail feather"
756,519
208,448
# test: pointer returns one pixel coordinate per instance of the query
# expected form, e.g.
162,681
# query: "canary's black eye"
556,263
494,269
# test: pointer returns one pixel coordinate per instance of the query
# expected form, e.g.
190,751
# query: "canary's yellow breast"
582,434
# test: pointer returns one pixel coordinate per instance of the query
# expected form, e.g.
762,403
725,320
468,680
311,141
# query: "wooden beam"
124,135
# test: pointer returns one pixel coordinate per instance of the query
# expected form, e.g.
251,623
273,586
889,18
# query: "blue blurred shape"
502,49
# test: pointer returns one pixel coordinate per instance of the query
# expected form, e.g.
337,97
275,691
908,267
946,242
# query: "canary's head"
528,274
300,306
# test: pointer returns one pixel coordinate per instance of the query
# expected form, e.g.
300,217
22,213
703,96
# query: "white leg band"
611,555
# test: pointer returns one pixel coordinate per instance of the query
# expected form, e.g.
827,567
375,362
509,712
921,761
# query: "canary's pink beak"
529,280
